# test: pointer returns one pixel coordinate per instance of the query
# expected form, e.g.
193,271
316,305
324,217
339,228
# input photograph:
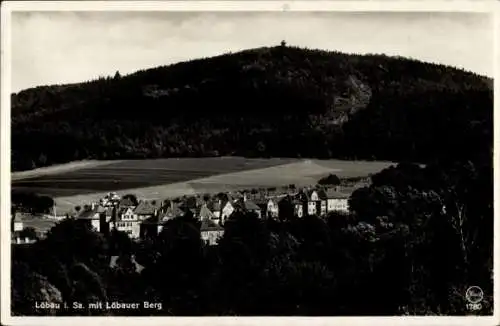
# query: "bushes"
331,179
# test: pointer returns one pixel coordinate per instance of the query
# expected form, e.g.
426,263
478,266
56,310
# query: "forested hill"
277,101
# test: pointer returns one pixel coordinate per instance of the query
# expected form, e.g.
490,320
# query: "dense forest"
415,240
276,101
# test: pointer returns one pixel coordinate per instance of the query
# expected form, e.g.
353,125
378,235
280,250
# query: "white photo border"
7,7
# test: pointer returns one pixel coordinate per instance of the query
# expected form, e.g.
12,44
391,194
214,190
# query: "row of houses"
146,218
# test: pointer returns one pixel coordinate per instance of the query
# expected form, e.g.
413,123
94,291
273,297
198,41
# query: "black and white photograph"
244,163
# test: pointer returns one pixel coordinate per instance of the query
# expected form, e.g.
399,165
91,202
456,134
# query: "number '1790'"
474,306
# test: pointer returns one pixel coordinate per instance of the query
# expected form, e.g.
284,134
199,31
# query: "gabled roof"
89,214
272,200
225,202
305,195
333,194
19,217
123,210
146,208
310,192
173,211
247,205
205,213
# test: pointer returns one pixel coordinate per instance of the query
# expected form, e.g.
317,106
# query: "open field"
163,178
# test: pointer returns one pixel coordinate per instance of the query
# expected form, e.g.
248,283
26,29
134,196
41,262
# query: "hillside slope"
277,101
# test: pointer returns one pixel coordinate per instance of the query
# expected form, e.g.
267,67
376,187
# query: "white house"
18,224
210,229
311,208
92,215
128,222
337,201
298,209
127,214
312,198
171,211
227,210
206,214
210,232
272,208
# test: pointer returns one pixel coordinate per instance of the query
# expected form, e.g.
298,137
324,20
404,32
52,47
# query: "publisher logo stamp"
474,296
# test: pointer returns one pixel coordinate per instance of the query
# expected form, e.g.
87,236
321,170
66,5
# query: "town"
145,217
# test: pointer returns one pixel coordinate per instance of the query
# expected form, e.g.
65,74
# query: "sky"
66,47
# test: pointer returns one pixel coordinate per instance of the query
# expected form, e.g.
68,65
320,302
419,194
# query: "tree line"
29,202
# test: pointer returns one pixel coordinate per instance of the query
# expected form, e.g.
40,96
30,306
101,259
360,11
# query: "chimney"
92,205
244,196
